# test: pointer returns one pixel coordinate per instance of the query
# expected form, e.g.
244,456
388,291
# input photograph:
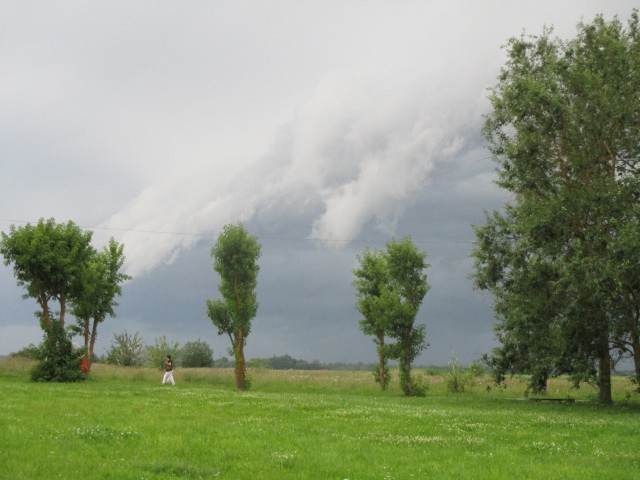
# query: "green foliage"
562,259
47,260
196,354
162,348
60,362
56,263
390,287
381,373
375,305
236,261
126,350
223,362
457,377
101,282
31,351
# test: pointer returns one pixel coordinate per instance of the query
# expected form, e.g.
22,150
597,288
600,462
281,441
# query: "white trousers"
168,378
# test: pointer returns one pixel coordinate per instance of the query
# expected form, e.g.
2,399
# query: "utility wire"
265,237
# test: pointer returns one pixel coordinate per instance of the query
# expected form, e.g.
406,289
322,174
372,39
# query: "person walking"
168,371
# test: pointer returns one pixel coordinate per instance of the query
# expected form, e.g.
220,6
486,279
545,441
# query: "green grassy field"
123,424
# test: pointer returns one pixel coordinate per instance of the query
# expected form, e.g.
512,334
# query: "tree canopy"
391,285
47,260
235,256
561,258
101,281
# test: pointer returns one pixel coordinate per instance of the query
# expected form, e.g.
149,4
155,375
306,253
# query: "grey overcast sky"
323,126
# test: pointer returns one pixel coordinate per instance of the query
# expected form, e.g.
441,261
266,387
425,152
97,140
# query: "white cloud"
357,150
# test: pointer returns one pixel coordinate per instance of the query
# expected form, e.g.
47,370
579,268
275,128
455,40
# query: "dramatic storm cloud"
325,127
357,151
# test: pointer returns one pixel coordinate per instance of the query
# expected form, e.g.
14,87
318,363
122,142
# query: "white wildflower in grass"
100,433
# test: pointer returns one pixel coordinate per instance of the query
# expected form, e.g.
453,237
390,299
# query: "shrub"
223,362
161,349
197,354
32,352
126,350
60,361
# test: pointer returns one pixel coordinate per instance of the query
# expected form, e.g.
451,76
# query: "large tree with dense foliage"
48,259
561,261
391,285
235,256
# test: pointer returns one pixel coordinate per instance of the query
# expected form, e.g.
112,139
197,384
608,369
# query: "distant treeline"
287,362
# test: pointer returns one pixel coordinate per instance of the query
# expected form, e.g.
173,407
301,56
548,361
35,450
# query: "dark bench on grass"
559,400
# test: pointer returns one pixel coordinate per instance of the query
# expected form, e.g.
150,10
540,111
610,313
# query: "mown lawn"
122,424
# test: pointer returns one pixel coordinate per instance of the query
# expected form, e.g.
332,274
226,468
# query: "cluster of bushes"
130,350
60,361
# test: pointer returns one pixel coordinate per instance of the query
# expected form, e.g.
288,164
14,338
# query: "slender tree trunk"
408,382
240,363
94,335
46,316
635,347
239,337
381,367
604,371
86,337
405,366
63,308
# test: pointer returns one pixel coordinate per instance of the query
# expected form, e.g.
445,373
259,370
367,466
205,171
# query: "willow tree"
408,286
236,261
391,285
374,306
564,132
101,283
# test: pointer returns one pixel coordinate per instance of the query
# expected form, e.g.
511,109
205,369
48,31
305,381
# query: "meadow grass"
122,424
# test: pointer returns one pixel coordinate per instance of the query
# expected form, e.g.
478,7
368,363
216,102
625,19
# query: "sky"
324,127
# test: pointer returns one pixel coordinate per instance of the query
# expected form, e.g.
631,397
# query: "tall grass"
123,424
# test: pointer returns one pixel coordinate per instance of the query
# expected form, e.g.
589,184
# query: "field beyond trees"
122,424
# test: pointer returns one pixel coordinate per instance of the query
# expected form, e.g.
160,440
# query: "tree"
126,350
236,261
101,282
371,280
564,132
523,286
47,261
197,354
408,286
390,286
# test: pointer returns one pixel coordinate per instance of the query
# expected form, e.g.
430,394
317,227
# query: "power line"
264,237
